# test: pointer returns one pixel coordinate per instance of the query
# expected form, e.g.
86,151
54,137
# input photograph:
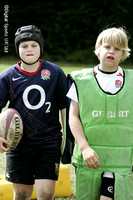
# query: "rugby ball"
11,127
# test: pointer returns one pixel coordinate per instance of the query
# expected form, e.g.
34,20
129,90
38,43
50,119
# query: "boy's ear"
97,52
123,56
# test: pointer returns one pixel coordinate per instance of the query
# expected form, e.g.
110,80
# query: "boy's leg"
46,173
19,172
45,189
107,186
105,198
22,192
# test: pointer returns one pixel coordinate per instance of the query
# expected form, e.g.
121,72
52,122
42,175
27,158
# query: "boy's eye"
107,47
34,45
24,46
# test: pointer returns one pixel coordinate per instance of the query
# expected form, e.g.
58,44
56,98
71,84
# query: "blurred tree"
69,28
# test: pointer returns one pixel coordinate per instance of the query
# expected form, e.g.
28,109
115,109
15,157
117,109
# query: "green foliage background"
69,28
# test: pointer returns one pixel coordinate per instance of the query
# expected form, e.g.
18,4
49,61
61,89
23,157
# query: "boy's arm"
89,155
63,112
2,142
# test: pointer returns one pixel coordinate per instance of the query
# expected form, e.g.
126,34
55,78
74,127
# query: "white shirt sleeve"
72,93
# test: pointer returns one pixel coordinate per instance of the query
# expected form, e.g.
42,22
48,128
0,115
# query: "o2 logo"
42,98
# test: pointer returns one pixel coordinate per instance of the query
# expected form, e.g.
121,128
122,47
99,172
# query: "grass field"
67,68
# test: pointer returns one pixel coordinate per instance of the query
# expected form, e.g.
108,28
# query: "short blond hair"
116,37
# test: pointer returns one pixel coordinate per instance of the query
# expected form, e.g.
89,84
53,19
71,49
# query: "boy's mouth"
110,57
29,54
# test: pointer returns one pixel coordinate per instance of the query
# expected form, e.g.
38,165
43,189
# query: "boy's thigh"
19,168
24,168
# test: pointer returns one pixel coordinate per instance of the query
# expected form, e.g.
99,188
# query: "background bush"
69,28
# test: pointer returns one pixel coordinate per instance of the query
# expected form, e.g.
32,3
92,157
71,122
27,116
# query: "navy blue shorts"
24,168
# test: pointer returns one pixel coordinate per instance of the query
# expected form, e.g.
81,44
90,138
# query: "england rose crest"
118,84
45,74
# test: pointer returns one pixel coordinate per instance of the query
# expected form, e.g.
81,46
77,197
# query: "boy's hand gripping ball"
11,127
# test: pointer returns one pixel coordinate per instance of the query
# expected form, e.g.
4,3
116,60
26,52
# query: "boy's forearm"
77,131
63,112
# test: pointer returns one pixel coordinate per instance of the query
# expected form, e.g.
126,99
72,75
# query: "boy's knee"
22,195
47,195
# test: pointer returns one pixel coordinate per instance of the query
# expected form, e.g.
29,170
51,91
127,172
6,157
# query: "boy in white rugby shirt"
101,121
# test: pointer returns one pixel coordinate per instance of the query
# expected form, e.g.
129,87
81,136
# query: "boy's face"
29,51
110,56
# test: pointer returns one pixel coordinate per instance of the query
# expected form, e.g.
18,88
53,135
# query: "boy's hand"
4,145
91,158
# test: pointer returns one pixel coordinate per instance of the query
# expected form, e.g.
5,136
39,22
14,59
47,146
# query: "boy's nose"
112,50
29,49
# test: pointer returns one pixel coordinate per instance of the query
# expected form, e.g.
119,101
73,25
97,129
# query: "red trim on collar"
29,73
